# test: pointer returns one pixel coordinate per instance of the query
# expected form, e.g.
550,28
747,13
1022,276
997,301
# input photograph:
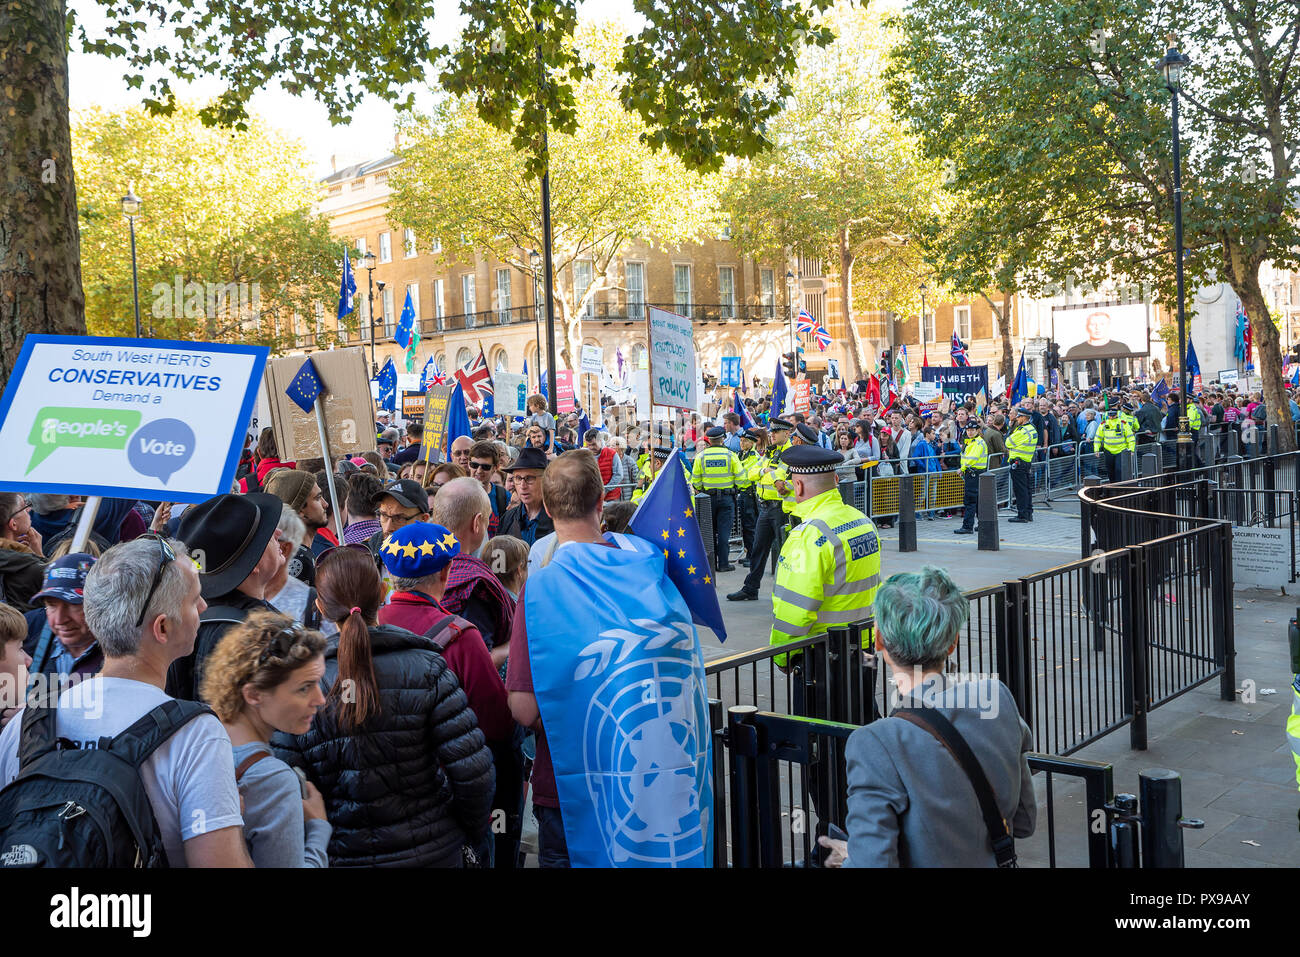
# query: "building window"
467,297
388,312
363,317
319,310
439,306
503,296
581,283
927,326
385,248
361,248
408,243
638,356
682,290
767,292
636,290
462,358
359,183
440,360
961,322
498,360
727,291
436,246
413,290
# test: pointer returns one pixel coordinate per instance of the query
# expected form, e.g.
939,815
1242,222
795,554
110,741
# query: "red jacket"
605,461
263,468
466,655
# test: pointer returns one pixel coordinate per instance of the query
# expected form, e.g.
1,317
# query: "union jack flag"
804,323
475,379
823,338
959,357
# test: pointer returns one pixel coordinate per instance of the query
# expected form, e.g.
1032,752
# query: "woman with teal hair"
910,803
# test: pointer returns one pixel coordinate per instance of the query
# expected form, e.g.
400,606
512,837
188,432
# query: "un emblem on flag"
646,747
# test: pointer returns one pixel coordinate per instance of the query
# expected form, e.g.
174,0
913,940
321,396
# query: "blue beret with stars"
419,550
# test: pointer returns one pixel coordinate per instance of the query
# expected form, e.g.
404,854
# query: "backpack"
446,631
72,807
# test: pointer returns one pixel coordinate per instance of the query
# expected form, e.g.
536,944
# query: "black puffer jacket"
415,782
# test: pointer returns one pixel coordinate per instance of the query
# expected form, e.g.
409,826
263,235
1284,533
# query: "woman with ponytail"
396,751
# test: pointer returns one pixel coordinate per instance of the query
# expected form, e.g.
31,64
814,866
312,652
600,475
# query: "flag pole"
329,466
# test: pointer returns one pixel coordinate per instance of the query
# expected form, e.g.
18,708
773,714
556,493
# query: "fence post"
1225,631
1123,832
742,740
1085,517
836,694
1010,649
1150,465
1160,794
906,514
1272,440
1097,792
1134,616
719,783
987,513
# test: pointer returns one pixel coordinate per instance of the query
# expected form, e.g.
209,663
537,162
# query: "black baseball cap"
406,492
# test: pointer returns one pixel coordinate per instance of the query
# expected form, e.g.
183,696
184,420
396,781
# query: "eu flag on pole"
348,288
388,387
407,334
1020,388
1193,367
1159,394
457,418
778,390
304,388
666,519
738,407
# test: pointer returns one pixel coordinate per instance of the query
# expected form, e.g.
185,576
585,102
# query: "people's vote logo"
161,448
60,427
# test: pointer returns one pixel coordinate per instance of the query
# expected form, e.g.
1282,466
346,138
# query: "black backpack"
85,807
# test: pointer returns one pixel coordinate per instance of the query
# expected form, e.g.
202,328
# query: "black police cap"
810,460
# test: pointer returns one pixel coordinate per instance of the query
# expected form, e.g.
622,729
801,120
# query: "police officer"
772,487
1114,438
1021,444
974,463
658,456
828,574
746,501
717,472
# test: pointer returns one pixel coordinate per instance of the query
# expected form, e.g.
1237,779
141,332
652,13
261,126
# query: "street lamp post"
131,208
368,260
791,283
921,331
1172,67
534,260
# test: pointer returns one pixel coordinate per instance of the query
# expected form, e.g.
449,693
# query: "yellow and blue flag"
388,387
304,388
666,518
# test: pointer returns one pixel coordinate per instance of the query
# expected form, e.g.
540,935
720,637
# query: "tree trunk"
1007,355
40,267
1267,347
857,353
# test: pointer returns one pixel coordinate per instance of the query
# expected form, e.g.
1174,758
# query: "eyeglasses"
481,466
165,557
396,517
280,645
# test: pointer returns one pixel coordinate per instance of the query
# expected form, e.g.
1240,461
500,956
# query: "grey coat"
910,803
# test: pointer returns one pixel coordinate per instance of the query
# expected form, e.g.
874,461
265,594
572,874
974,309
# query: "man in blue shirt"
58,639
731,422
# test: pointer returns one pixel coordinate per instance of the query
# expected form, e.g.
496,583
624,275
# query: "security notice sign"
1261,556
673,371
127,418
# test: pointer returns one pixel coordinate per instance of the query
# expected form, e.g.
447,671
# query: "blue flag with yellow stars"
388,387
666,518
304,388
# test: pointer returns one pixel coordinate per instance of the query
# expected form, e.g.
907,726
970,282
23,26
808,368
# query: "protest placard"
673,372
731,371
564,398
959,382
511,393
593,359
1228,377
412,405
128,418
435,416
802,396
348,407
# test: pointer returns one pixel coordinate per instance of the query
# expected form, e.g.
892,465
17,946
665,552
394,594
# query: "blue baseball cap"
65,578
419,550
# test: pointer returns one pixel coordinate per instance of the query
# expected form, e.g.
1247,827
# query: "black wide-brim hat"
529,458
229,533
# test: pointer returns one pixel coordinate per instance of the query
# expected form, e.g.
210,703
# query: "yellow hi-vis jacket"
975,455
1293,725
828,571
1114,435
1131,423
649,477
771,472
1022,443
748,475
716,469
1194,419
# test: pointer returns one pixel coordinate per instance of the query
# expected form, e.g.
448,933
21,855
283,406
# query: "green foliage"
217,208
465,182
704,76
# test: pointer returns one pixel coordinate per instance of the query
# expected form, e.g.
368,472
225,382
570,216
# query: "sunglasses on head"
280,645
165,557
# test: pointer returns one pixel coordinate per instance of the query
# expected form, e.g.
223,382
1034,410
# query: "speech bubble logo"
60,427
161,448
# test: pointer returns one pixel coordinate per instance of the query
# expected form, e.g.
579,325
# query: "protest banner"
673,371
959,383
564,397
349,409
926,391
833,369
802,396
435,418
412,405
127,418
593,359
511,393
731,372
1228,377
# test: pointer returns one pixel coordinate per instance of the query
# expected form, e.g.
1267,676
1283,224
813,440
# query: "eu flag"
348,287
666,518
388,387
738,407
304,388
778,391
1020,388
407,333
1159,394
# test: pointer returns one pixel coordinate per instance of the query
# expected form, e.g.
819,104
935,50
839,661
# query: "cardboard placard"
349,409
412,405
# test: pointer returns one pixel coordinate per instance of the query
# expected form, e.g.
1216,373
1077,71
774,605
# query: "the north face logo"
18,855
